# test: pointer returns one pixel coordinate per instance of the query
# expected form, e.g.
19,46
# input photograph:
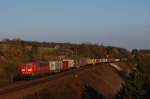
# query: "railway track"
25,86
30,83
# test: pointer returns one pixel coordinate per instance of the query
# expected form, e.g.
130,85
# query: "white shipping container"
103,60
117,60
52,66
100,60
71,63
55,66
59,66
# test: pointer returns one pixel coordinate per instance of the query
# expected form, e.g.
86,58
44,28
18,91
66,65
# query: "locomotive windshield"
28,65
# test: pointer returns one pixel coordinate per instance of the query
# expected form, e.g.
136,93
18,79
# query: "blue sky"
124,23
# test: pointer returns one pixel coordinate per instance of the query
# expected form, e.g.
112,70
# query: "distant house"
144,52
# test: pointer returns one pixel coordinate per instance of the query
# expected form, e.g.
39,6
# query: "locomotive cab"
27,69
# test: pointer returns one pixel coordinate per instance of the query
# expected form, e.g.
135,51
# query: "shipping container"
52,66
100,60
90,61
93,61
55,66
59,66
77,65
103,60
65,64
96,61
84,61
81,62
71,63
117,60
106,60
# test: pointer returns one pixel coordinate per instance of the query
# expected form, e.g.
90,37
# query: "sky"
122,23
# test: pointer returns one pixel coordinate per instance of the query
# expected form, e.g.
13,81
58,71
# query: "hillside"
92,82
14,52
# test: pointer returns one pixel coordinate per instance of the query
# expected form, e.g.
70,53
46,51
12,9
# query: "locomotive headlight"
29,70
23,70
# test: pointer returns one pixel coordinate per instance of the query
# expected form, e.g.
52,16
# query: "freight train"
35,68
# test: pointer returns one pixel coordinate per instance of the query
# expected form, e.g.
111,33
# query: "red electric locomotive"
34,68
